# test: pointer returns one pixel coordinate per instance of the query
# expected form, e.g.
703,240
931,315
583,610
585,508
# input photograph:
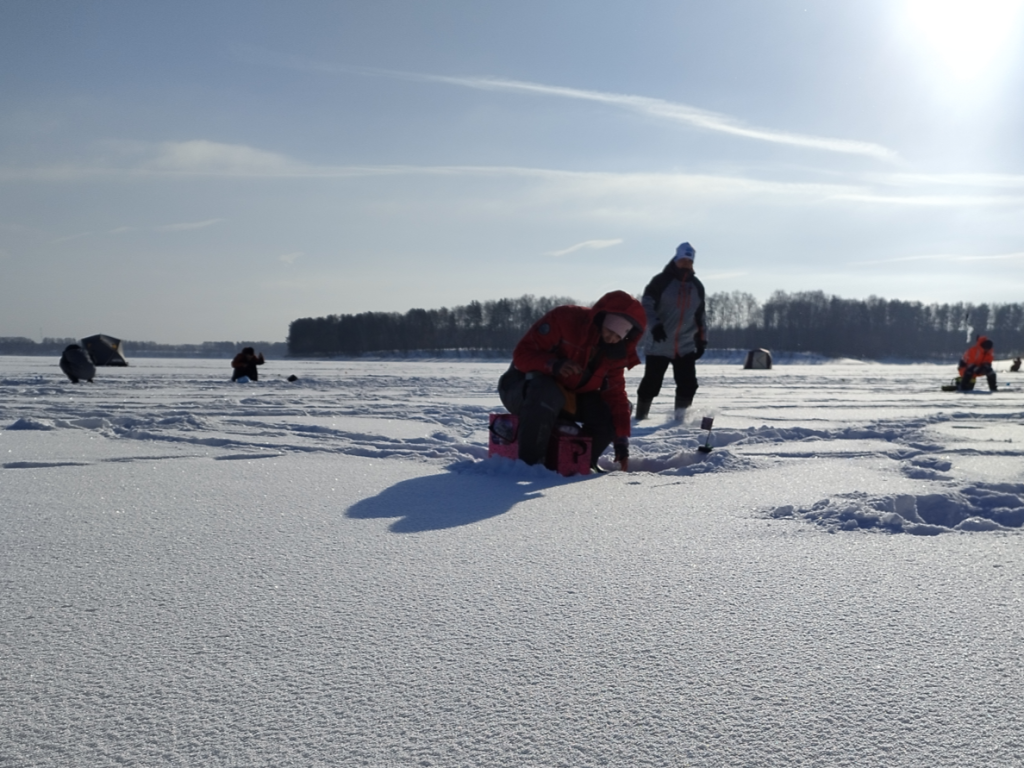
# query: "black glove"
658,332
622,452
701,346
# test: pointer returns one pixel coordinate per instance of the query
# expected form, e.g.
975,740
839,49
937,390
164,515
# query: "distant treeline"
488,325
19,345
870,328
212,349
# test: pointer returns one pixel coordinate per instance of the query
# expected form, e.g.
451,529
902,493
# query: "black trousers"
973,371
684,369
538,401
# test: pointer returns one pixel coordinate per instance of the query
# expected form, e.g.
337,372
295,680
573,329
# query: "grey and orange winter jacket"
675,299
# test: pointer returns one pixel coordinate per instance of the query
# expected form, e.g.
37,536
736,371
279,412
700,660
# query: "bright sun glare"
966,37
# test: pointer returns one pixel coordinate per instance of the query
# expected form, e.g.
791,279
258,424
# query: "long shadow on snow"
452,499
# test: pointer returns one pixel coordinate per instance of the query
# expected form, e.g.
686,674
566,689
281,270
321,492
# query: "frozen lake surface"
331,572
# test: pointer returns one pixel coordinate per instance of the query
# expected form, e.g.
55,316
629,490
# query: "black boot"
992,382
643,409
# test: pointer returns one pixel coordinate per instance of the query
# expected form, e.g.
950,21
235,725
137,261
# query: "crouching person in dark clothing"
76,364
245,363
571,364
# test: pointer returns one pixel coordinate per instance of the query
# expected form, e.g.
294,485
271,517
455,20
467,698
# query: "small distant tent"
758,359
104,350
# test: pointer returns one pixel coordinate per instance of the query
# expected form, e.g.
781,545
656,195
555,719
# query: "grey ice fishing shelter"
760,359
104,350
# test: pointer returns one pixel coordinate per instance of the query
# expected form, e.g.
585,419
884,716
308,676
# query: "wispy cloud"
589,244
182,227
930,201
202,156
68,238
1018,256
962,180
950,258
188,225
724,275
289,258
645,105
670,110
206,159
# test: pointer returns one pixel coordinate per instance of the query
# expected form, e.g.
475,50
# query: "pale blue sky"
193,171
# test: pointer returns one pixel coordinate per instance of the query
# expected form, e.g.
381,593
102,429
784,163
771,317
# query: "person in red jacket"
977,361
571,363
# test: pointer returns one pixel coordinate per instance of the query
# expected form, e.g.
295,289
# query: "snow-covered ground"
331,572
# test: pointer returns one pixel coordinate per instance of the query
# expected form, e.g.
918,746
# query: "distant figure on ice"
245,363
76,364
674,305
1016,365
977,361
572,364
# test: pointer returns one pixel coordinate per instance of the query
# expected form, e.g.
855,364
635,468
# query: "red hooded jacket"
574,333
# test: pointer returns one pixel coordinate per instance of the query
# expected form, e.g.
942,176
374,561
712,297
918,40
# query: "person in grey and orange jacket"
571,364
674,304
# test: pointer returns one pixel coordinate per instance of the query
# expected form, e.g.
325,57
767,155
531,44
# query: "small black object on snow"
706,423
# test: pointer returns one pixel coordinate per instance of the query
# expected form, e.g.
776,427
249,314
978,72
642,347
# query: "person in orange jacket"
977,361
571,363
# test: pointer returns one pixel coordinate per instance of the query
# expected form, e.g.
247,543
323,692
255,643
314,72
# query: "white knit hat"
685,251
620,325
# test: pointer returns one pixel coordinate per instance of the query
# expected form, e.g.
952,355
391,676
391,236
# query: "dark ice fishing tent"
104,350
758,359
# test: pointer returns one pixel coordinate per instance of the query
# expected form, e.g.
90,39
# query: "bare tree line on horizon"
811,321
